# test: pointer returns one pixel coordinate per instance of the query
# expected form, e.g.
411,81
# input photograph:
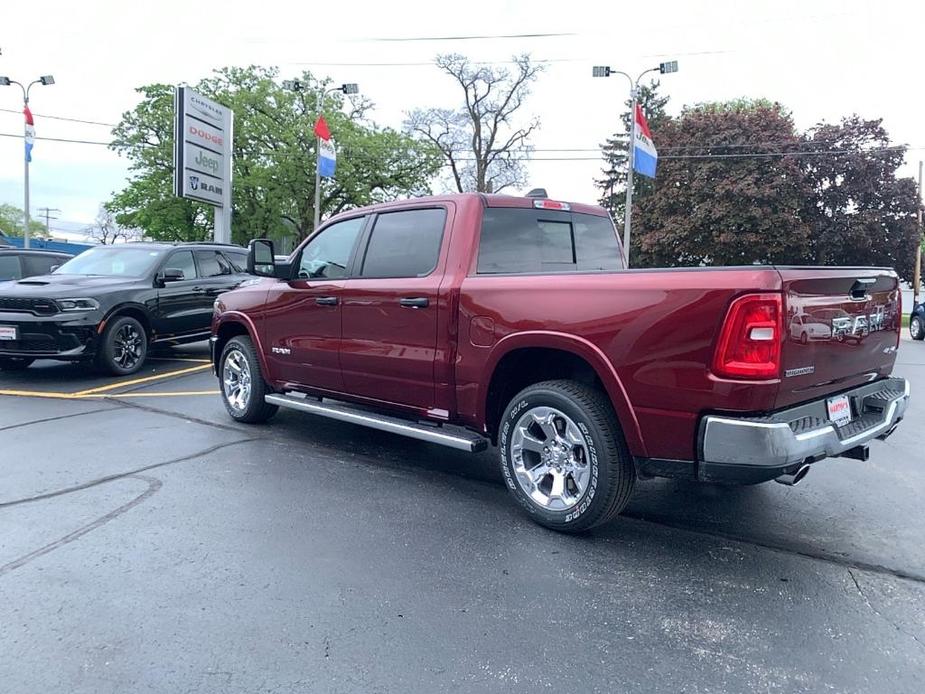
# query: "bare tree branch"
469,137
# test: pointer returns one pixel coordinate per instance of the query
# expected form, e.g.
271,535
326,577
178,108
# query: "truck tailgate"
841,328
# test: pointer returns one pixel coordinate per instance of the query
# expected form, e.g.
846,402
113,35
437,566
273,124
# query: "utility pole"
917,275
46,213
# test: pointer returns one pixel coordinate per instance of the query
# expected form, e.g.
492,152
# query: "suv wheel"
14,363
916,328
243,386
124,346
563,456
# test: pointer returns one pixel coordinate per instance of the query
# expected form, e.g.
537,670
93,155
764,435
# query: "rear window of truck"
528,241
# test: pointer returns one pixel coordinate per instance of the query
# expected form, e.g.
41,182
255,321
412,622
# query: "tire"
15,363
123,347
596,466
242,383
803,338
917,328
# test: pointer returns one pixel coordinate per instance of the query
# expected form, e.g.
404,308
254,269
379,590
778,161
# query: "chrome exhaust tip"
793,478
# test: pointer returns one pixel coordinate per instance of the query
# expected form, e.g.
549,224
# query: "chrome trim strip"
470,444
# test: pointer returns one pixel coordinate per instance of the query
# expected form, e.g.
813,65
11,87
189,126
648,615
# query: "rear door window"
212,264
404,244
10,268
182,260
527,241
237,259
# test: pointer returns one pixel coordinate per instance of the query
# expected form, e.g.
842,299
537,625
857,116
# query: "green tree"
715,202
860,212
613,183
11,219
274,159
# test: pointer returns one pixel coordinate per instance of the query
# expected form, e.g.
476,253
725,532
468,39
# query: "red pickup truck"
469,319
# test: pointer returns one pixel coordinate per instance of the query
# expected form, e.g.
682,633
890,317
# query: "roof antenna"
538,193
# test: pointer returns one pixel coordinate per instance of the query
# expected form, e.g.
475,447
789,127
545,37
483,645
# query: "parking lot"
147,543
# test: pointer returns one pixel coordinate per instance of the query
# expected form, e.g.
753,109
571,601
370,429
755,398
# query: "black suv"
16,263
109,304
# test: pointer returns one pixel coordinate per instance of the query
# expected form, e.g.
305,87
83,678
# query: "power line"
745,155
72,120
60,139
430,63
463,37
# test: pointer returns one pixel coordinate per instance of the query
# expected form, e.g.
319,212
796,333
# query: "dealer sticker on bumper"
839,410
8,332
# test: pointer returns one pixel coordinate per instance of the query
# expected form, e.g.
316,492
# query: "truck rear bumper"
756,449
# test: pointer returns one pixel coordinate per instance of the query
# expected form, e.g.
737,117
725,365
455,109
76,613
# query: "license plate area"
839,410
9,332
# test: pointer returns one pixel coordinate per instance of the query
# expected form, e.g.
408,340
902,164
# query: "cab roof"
486,199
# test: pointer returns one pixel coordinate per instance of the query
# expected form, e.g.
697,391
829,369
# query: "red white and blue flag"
30,132
645,156
327,155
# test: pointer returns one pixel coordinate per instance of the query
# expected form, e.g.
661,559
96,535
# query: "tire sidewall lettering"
507,464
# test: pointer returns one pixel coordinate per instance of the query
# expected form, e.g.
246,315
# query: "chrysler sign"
202,149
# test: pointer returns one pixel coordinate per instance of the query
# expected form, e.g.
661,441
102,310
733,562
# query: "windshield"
111,261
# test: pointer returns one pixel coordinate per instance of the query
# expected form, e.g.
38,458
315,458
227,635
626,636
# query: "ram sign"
202,153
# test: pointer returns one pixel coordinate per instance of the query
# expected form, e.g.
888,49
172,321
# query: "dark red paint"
650,335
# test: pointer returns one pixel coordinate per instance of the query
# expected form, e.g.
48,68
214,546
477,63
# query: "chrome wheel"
550,457
236,380
128,346
915,328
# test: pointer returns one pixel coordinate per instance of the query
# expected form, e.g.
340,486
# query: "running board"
461,440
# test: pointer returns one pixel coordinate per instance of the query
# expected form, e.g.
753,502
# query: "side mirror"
53,268
172,274
260,259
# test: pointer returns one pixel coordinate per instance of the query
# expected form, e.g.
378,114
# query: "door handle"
199,290
326,300
415,302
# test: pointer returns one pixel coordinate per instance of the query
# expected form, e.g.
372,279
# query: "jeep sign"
202,155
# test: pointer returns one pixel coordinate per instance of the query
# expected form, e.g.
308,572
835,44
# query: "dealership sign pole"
203,133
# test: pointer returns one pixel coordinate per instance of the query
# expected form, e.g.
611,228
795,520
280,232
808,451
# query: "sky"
821,59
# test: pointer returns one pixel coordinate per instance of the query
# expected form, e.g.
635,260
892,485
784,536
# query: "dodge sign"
202,149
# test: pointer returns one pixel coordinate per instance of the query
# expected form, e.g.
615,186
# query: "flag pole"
630,153
25,229
317,219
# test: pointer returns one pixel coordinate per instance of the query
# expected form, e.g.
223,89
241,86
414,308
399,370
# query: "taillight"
749,343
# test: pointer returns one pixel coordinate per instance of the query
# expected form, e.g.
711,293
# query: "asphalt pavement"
150,544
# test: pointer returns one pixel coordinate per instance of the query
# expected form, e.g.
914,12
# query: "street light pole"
603,71
298,86
5,82
319,102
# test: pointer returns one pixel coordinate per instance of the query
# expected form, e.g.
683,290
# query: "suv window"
182,260
238,259
9,268
404,244
517,240
40,264
212,264
327,254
